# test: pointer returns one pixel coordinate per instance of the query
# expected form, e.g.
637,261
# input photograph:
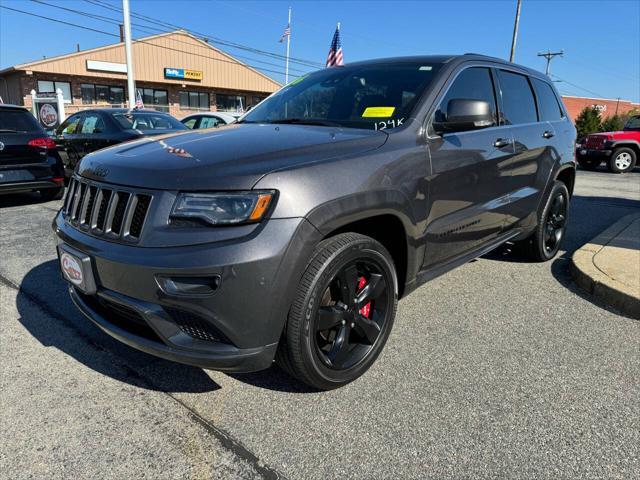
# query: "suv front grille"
106,210
595,142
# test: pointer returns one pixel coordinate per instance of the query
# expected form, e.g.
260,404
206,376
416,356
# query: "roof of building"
177,49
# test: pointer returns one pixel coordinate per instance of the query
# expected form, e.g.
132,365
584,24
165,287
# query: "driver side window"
70,125
472,84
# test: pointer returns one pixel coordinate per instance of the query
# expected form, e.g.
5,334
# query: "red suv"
619,149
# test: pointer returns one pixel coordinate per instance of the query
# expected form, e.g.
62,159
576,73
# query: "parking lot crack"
226,440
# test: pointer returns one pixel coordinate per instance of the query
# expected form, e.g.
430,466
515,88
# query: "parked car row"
31,160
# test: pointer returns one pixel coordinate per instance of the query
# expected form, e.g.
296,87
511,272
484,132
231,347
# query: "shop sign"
182,74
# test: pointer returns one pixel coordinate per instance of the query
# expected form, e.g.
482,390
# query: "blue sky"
601,39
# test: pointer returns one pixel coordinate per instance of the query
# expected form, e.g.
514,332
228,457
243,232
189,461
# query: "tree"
588,122
613,123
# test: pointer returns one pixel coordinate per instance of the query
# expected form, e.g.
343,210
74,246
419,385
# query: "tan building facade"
175,72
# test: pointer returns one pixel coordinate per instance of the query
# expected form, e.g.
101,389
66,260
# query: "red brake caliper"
366,310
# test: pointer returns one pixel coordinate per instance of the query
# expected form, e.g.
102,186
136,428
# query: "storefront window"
47,86
230,103
102,94
256,100
194,101
88,93
116,95
156,99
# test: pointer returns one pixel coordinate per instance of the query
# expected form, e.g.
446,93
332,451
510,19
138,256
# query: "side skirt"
434,272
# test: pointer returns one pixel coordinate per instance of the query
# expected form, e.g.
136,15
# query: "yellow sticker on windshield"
378,112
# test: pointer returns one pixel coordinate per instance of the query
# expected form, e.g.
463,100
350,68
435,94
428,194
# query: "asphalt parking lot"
501,368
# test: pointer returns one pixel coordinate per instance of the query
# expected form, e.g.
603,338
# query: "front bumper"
235,328
590,153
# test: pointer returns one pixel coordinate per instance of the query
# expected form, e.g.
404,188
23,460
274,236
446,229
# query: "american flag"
334,58
287,32
139,103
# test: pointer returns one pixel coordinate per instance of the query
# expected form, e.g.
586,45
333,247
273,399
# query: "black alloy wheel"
342,313
545,241
351,314
555,224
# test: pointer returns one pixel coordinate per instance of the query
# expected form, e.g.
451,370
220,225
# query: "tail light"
44,142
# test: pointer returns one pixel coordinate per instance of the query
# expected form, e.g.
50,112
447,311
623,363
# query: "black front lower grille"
194,326
121,316
104,210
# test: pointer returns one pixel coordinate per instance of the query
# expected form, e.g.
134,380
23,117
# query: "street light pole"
286,65
515,32
127,48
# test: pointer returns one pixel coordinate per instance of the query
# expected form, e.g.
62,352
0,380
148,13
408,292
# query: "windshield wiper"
305,121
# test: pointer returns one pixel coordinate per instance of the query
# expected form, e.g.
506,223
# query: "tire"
333,293
622,160
546,240
589,164
51,194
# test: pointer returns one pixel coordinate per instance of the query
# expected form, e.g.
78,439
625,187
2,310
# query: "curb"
587,276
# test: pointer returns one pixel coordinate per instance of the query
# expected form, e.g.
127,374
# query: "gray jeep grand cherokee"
293,233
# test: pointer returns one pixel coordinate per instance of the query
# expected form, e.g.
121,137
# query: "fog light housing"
189,286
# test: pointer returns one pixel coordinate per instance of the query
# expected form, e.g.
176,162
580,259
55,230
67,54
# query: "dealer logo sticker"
71,268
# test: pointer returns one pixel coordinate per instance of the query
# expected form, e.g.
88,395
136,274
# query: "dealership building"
175,72
606,106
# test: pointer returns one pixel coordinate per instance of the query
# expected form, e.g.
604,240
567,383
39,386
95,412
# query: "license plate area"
76,269
7,176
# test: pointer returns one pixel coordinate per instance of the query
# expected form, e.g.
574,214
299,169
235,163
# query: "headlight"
229,208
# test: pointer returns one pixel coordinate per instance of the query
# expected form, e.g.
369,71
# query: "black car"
28,157
292,233
91,130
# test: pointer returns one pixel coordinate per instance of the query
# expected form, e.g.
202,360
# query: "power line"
136,41
151,30
578,86
212,38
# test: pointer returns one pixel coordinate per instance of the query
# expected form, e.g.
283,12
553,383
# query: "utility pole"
549,56
617,105
127,48
286,65
515,32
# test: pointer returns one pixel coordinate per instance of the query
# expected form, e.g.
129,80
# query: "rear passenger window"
92,124
518,102
472,84
548,105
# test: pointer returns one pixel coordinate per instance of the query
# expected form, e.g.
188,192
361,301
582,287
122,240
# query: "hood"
618,135
232,158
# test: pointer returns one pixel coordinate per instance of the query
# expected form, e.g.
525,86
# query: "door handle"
501,142
548,134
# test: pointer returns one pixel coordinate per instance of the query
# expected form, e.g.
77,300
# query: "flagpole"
286,66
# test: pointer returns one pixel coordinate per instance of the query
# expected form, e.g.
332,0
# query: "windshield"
633,124
376,97
148,121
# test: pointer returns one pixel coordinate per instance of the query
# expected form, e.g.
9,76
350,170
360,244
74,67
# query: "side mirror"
465,114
